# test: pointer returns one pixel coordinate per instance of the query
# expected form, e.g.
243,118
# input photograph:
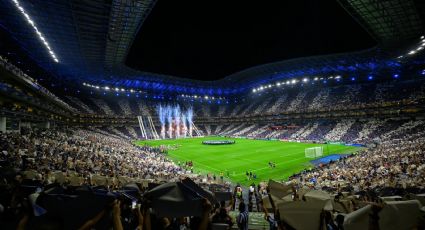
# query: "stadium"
146,114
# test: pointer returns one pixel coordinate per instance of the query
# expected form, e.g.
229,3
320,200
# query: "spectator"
243,217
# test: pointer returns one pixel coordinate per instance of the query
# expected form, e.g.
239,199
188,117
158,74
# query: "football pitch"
245,155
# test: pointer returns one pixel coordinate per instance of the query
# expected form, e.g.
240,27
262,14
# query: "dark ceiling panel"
388,21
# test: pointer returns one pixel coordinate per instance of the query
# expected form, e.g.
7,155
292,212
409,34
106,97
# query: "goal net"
314,152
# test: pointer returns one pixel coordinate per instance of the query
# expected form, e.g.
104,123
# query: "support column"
3,124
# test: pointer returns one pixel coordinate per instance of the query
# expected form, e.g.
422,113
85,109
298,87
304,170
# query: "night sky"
210,39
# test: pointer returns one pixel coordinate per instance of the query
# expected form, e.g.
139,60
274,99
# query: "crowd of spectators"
75,158
292,100
390,172
396,162
60,164
83,152
31,82
74,161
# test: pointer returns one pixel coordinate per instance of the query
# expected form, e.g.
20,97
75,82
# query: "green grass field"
245,155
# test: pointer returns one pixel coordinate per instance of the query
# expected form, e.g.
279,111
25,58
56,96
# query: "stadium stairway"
247,199
256,220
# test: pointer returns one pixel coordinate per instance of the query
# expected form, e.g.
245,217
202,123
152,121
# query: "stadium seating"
338,99
90,151
102,155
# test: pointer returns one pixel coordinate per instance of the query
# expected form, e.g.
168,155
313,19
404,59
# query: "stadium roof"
88,41
388,21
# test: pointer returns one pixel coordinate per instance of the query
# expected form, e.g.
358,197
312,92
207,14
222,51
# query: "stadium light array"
260,88
415,50
107,88
206,97
40,35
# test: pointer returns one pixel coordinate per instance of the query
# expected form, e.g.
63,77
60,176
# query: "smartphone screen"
133,204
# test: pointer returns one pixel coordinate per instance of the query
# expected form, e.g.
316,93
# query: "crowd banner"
358,219
218,142
400,215
420,197
175,199
335,142
301,214
320,196
223,196
279,190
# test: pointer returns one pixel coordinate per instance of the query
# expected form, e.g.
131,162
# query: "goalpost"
314,152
